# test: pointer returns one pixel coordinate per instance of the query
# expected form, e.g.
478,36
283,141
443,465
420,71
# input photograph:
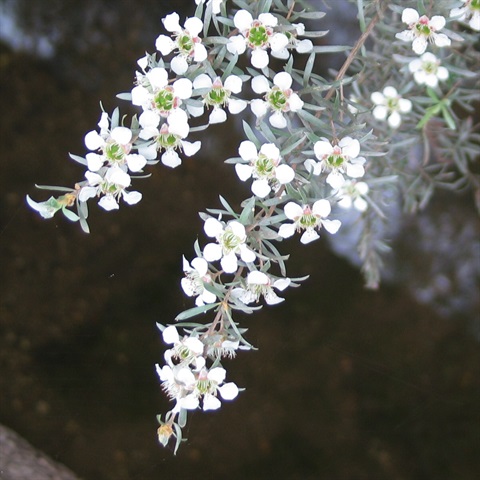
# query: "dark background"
346,384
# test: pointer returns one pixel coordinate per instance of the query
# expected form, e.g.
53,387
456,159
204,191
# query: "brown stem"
343,70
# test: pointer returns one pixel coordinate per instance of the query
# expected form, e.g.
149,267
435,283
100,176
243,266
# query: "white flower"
209,383
337,159
154,93
389,105
111,183
168,139
301,46
352,193
469,10
422,30
186,41
258,35
231,240
427,70
280,98
264,167
196,276
259,283
219,95
309,219
215,5
187,350
220,346
114,145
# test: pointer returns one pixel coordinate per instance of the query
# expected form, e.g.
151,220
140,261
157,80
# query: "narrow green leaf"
191,312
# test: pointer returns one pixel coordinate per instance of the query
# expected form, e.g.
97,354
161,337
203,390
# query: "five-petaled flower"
264,166
196,276
110,184
388,105
154,92
258,35
115,146
338,159
186,41
308,219
187,350
280,98
301,46
422,30
168,139
427,70
218,95
231,240
470,10
260,284
353,193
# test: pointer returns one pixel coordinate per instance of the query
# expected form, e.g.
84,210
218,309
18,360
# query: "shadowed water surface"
346,384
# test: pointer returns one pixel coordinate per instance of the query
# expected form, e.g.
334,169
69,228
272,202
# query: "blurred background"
347,383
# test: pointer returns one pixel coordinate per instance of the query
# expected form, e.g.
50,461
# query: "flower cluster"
306,152
185,377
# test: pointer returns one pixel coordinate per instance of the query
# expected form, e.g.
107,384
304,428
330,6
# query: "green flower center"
168,140
216,96
392,104
475,5
307,220
114,152
335,160
164,100
110,188
264,166
277,99
185,43
206,386
230,241
430,67
183,352
257,36
423,29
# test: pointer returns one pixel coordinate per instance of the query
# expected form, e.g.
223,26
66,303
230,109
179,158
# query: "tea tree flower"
264,166
300,46
231,240
280,98
308,219
154,92
352,193
111,183
178,382
196,276
470,11
427,70
337,159
260,284
219,94
187,350
168,139
422,30
258,35
389,105
186,41
209,384
115,147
